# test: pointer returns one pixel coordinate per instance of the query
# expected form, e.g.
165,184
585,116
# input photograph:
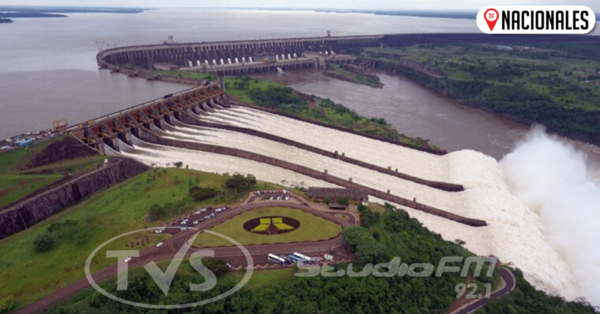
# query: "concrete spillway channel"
304,161
512,232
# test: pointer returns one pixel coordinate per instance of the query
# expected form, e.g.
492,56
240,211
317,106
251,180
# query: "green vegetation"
23,171
343,201
278,291
43,241
200,194
216,265
556,84
353,74
239,183
312,228
6,304
79,229
526,299
15,187
189,75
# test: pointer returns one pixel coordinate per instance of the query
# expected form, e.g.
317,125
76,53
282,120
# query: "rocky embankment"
41,205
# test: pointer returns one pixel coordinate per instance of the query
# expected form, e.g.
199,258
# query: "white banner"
570,19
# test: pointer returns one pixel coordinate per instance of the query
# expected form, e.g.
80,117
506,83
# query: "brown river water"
48,71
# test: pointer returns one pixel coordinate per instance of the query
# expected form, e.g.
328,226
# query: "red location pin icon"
491,17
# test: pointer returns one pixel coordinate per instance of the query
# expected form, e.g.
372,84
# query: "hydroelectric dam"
461,195
256,56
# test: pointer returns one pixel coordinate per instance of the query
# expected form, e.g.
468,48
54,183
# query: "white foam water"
515,233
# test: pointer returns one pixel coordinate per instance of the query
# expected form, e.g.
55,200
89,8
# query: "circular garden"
278,225
271,225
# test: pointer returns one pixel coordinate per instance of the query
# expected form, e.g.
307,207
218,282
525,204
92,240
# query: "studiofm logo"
165,279
543,20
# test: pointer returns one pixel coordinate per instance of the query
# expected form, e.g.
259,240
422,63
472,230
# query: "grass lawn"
122,208
80,302
312,228
11,160
15,187
17,182
72,166
28,274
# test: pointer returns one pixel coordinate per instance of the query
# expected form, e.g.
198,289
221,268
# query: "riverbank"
525,84
283,99
353,74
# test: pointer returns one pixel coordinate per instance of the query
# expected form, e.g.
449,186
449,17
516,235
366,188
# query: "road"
170,247
509,284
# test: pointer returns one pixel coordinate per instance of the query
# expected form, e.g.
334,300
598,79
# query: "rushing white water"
163,156
515,233
552,179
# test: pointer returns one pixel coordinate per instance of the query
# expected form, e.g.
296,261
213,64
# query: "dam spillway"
183,122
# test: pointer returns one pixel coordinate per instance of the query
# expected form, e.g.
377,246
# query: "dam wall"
180,55
40,206
149,136
248,56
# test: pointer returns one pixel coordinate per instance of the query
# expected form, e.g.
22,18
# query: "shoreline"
572,135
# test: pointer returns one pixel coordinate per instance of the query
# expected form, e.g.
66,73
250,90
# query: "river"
416,111
49,72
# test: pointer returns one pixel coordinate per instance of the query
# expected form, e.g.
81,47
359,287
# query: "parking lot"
191,220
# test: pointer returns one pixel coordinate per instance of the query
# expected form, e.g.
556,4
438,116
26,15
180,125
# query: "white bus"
276,259
302,256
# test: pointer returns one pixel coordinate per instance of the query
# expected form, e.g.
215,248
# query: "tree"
156,212
343,201
44,241
239,183
327,201
366,248
201,194
216,265
6,304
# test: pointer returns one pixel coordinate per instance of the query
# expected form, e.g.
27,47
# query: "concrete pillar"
113,142
125,137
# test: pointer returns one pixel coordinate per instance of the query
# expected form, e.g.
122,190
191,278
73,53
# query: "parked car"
159,244
127,259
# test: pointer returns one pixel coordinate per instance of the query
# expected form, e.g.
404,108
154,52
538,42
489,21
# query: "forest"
555,84
392,233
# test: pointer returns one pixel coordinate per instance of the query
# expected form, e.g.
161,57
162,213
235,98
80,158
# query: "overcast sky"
471,5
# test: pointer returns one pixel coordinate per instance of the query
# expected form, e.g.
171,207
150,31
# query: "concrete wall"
181,54
38,207
149,136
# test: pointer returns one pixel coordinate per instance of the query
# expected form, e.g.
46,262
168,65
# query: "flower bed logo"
164,279
572,19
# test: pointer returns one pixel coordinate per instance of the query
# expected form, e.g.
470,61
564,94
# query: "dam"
257,56
461,195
